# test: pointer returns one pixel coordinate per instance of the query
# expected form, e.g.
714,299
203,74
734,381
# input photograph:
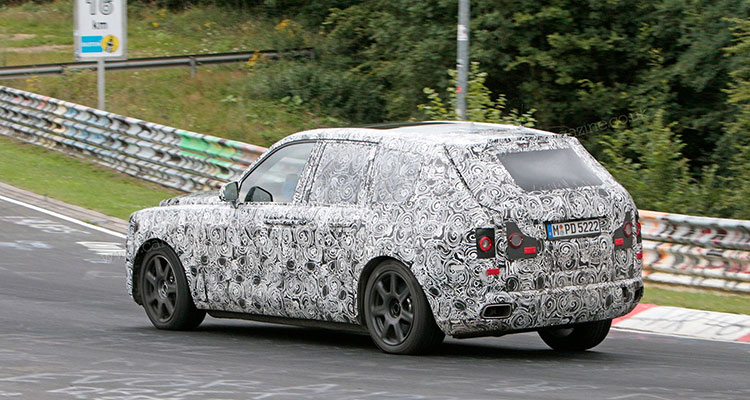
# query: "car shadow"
511,347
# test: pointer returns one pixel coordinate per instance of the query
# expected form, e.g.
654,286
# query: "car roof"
428,132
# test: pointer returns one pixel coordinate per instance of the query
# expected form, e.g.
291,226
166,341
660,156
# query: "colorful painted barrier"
172,157
678,249
696,251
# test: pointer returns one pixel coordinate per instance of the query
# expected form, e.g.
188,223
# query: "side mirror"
229,192
259,195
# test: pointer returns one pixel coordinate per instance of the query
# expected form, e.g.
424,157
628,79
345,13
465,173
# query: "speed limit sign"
100,29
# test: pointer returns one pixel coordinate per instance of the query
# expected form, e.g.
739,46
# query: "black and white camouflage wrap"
416,195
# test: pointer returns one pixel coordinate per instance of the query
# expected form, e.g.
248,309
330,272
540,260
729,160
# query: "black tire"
397,314
165,294
576,337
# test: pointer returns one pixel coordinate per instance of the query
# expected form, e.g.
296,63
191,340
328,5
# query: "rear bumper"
534,309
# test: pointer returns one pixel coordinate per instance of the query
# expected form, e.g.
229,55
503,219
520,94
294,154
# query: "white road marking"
63,217
109,249
28,245
45,225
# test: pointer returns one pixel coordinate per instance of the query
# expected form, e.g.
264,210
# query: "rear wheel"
576,337
165,293
398,316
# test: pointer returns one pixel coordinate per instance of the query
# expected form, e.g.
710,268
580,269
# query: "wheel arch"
364,276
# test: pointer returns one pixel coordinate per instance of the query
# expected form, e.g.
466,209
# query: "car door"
336,218
264,223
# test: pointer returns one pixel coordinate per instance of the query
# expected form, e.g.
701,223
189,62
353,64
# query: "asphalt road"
68,330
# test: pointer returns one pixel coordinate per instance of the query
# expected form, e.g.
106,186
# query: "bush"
342,94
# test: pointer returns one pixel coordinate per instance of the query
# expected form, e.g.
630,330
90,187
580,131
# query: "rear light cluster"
638,227
485,242
623,236
627,229
519,245
515,240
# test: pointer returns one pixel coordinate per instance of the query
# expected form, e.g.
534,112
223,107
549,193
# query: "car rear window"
542,170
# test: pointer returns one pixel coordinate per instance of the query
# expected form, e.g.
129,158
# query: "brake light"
619,242
515,240
529,250
627,229
638,228
485,243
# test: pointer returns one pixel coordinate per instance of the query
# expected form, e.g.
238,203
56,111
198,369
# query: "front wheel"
398,316
165,293
576,337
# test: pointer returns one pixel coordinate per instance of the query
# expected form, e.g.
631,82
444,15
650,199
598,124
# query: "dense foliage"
658,90
587,68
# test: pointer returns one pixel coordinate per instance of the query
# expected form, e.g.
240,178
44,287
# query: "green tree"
737,136
479,104
647,159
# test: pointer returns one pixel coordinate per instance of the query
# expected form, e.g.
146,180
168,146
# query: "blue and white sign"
100,29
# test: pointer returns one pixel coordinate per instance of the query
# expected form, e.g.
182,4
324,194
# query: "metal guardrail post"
192,67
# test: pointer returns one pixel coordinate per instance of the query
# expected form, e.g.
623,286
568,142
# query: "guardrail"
696,251
678,249
189,60
169,156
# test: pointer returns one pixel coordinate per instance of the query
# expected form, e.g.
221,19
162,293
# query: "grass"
153,31
76,181
225,101
696,299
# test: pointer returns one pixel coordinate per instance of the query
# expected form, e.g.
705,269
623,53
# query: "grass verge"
76,181
696,299
224,100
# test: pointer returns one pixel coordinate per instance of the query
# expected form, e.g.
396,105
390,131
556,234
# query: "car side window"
396,173
275,179
341,173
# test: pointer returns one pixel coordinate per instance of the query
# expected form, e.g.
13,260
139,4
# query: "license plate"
571,229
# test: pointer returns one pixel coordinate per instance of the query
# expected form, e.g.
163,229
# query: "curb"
686,322
69,210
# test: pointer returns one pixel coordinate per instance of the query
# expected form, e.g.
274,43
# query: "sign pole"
462,58
100,33
100,83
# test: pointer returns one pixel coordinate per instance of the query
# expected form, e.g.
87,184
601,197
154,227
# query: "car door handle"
342,225
286,221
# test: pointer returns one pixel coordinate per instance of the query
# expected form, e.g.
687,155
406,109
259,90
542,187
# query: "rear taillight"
485,242
627,229
515,240
519,245
638,228
623,236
